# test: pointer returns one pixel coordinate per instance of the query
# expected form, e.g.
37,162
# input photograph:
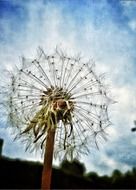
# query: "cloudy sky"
103,30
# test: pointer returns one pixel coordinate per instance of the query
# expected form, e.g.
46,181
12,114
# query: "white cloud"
132,25
129,10
110,46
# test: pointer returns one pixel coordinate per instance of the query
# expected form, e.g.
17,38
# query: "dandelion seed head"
61,93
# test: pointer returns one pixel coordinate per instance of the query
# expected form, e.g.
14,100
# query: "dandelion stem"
48,157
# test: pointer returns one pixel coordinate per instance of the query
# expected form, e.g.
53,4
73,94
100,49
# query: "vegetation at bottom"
18,174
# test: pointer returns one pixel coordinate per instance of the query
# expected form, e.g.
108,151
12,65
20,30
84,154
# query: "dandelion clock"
59,105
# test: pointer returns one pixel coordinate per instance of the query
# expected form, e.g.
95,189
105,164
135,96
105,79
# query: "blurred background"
105,32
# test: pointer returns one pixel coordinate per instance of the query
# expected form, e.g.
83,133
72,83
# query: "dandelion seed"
60,94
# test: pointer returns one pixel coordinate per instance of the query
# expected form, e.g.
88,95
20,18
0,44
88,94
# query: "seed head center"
59,102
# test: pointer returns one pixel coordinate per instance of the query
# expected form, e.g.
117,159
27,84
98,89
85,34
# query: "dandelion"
58,104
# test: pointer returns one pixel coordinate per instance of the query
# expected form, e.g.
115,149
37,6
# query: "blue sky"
104,31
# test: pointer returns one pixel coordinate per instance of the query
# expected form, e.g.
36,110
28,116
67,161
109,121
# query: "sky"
103,30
